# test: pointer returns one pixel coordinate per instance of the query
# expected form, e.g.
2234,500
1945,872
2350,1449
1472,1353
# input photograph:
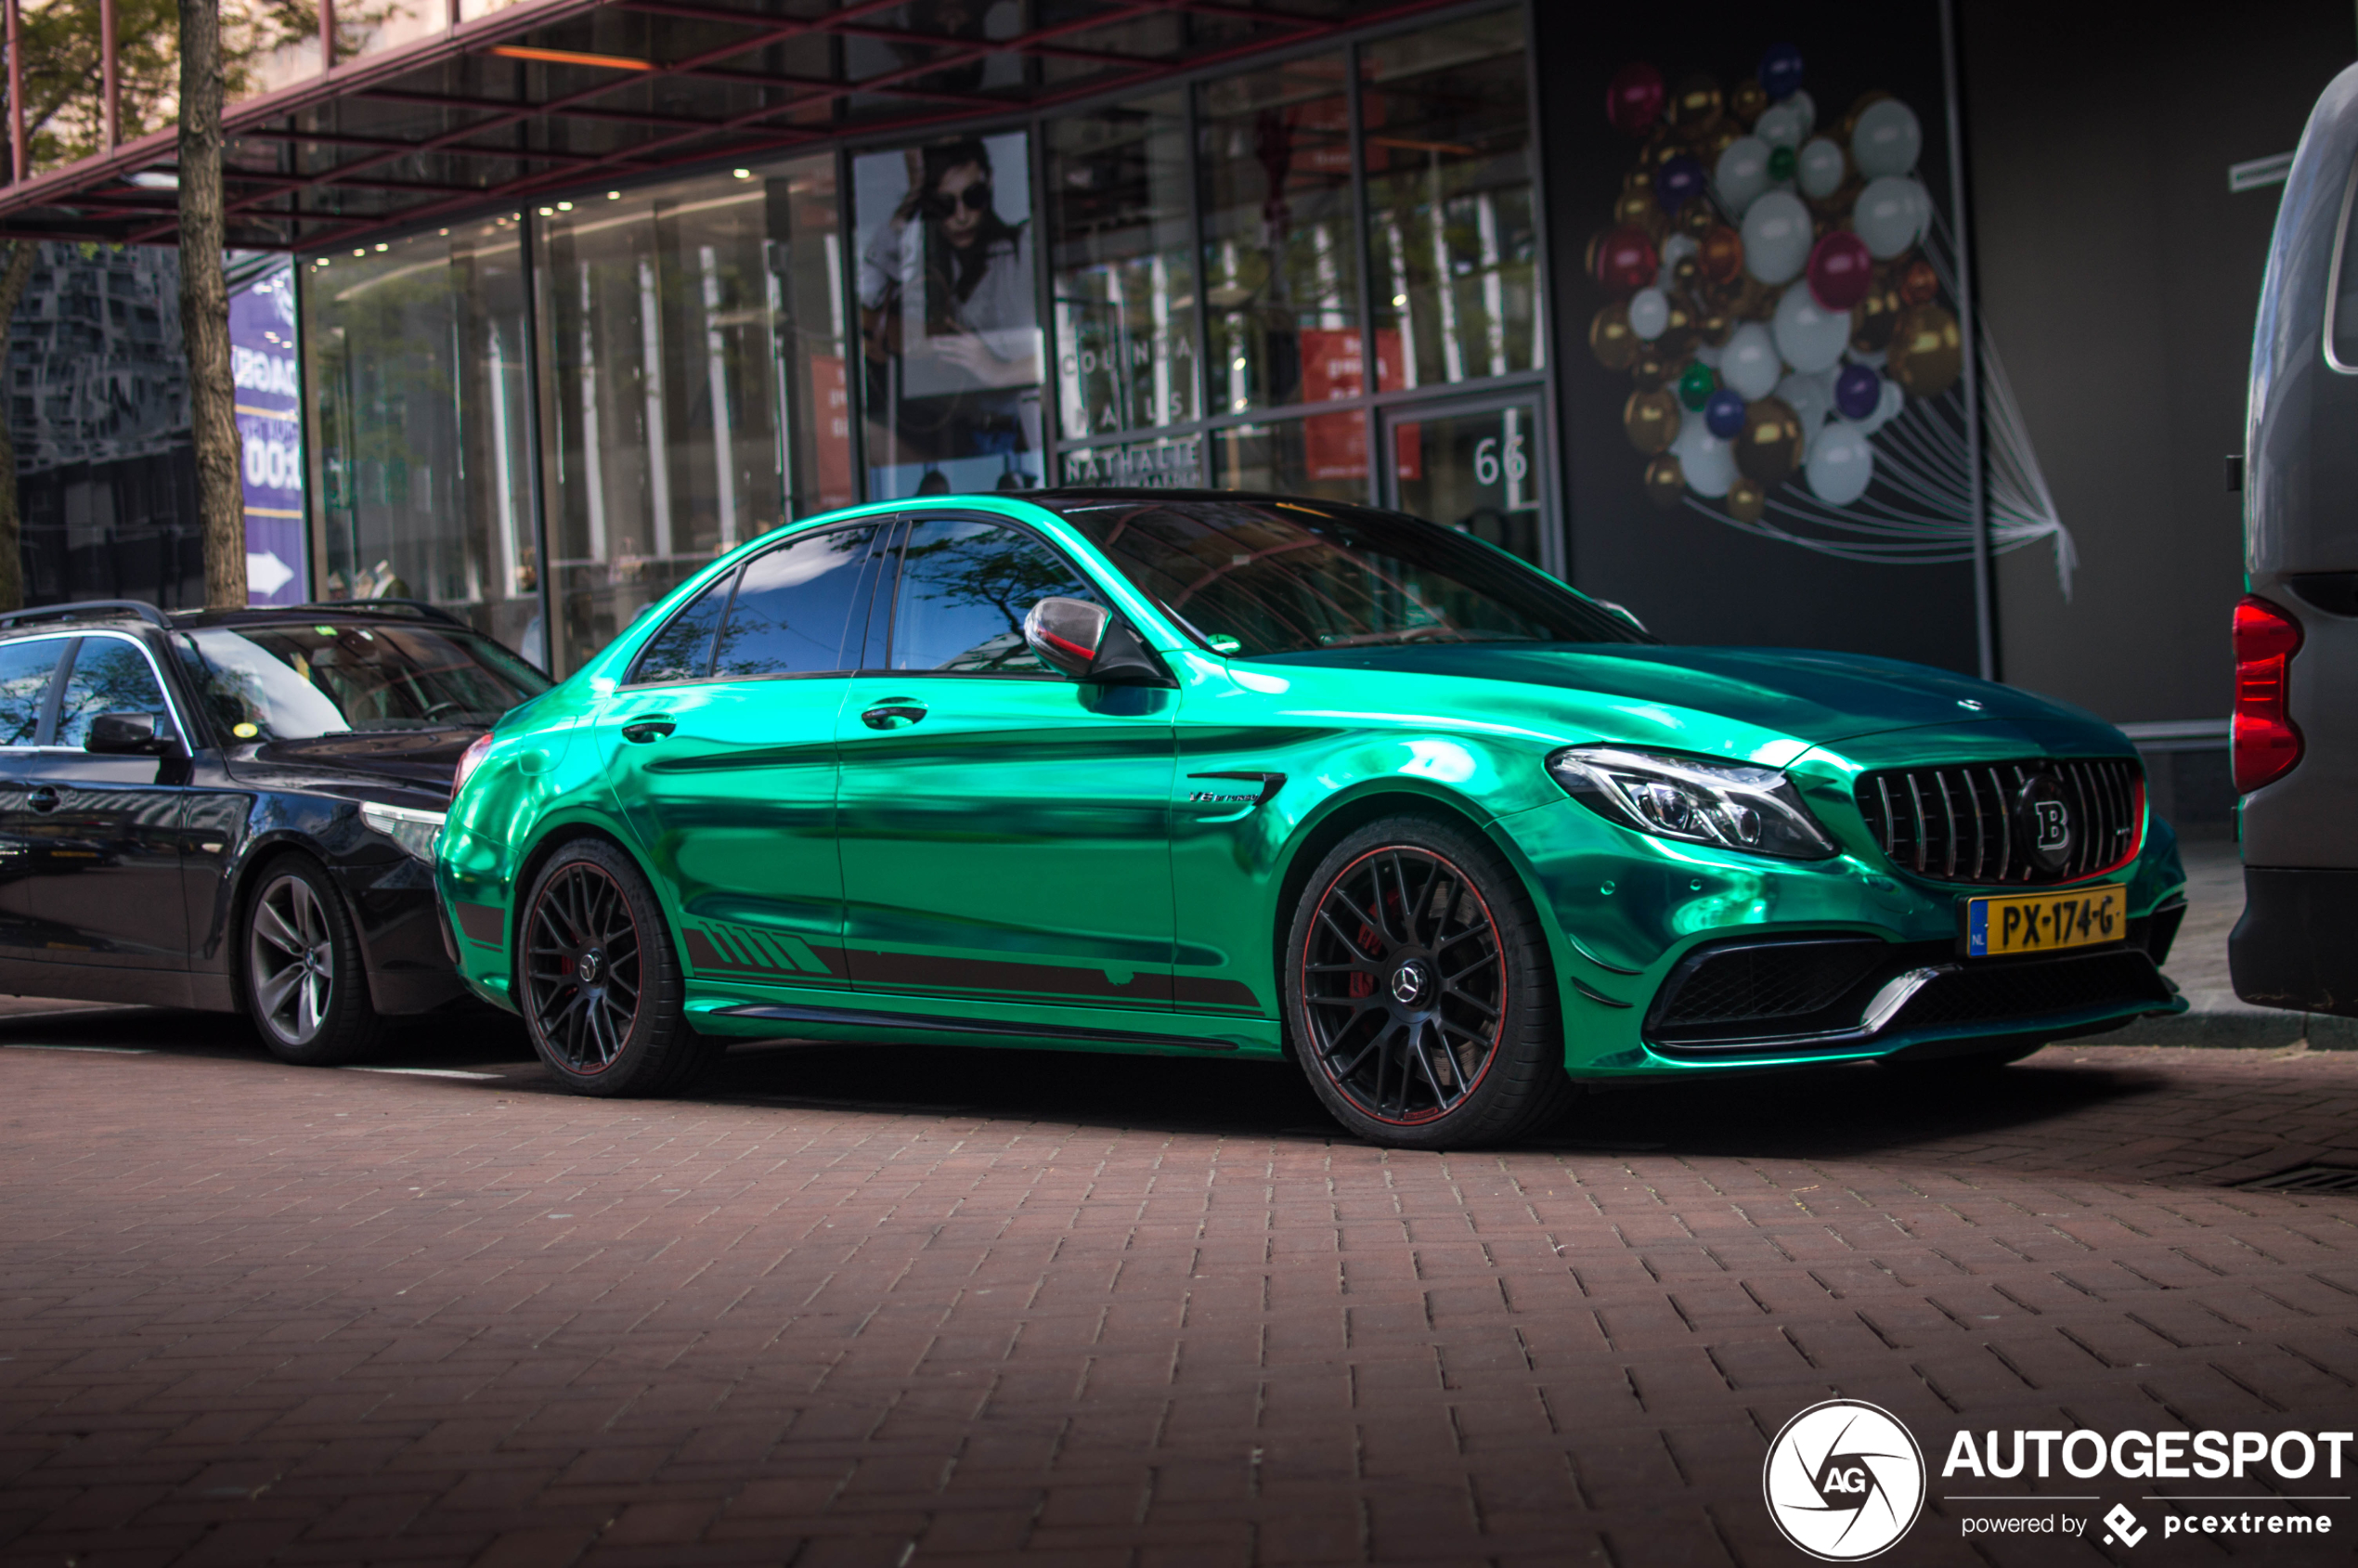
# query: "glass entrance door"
1477,469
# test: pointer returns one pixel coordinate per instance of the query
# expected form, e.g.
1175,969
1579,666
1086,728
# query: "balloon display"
1649,313
1820,169
1742,174
1768,449
1610,338
1887,140
1627,260
1749,363
1840,270
1696,383
1722,253
1808,336
1694,106
1841,464
1927,351
1633,98
1677,182
1651,419
1777,236
1781,72
1709,463
1666,482
1723,415
1747,499
1857,392
1891,214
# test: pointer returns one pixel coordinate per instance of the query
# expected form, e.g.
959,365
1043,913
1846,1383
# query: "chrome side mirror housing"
1083,640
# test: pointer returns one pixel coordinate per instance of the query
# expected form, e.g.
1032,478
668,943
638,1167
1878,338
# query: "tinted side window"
683,650
965,589
25,668
796,604
109,676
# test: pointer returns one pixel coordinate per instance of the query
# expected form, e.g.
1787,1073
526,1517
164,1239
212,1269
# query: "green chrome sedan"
1187,771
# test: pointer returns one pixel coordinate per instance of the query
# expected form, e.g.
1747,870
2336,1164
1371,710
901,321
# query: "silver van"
2295,629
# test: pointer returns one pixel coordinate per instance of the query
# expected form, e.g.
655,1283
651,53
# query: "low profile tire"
1419,995
598,980
307,986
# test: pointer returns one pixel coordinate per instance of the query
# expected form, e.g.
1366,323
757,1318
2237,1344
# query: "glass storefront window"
1453,244
415,356
1294,457
660,387
806,268
1479,472
1122,267
949,317
1281,252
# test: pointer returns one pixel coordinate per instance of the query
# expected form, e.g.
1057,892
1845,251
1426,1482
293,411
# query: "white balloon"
1887,140
1891,214
1809,337
1748,363
1889,402
1742,174
1672,250
1708,463
1649,313
1706,355
1784,124
1777,238
1812,398
1840,464
1820,169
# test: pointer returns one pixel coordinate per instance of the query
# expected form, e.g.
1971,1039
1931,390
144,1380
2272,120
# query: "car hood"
1814,696
410,760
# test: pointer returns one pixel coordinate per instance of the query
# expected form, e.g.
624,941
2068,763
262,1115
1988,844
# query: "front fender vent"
1959,823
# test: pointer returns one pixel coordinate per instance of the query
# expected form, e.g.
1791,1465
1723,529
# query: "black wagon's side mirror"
1086,641
129,735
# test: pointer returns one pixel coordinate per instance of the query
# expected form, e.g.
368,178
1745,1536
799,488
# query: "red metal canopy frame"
576,112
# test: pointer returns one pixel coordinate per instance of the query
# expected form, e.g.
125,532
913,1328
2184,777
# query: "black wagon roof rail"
414,607
87,609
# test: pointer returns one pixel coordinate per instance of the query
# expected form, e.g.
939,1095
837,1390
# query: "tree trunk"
17,274
204,308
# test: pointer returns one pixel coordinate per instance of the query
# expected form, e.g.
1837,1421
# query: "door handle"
43,799
893,712
638,732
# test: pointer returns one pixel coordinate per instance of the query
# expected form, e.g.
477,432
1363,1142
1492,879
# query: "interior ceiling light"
570,56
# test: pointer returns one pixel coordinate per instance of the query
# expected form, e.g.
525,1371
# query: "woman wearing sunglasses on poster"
947,313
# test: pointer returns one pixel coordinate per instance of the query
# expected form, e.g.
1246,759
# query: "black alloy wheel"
305,988
597,981
1421,1002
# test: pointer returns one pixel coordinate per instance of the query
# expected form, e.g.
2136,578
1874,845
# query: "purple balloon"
1724,415
1857,392
1781,72
1678,180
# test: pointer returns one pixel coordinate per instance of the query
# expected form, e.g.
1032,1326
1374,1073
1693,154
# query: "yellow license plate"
2045,922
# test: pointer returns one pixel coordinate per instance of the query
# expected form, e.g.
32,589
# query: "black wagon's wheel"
305,988
1421,1002
596,978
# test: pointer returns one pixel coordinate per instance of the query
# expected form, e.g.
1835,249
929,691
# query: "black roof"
46,617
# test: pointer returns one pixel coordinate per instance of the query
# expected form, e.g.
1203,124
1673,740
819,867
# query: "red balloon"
1633,99
1627,260
1841,270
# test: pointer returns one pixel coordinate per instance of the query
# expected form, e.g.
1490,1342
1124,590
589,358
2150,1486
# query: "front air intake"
1981,824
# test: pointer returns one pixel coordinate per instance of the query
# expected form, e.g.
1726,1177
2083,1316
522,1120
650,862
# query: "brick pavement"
896,1306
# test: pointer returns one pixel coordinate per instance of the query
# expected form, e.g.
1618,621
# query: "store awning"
536,99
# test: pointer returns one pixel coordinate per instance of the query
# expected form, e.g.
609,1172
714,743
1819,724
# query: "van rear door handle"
638,732
893,712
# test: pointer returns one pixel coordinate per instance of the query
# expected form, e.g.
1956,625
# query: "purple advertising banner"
261,364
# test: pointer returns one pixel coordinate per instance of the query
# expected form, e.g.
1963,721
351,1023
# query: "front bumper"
2296,944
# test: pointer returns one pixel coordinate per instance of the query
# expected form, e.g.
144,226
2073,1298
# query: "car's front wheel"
306,988
597,981
1419,998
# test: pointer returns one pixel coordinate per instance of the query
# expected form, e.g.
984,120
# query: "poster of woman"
949,317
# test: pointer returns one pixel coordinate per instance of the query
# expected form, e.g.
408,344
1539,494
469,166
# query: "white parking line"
424,1071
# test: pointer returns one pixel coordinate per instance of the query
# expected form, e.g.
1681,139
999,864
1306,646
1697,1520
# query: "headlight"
469,760
414,831
1727,805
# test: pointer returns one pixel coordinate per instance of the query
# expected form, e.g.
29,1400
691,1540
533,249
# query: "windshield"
1273,576
298,681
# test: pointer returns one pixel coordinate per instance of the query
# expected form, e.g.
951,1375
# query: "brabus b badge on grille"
2042,817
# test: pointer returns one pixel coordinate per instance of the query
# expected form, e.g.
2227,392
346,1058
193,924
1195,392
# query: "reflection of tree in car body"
108,677
298,682
964,590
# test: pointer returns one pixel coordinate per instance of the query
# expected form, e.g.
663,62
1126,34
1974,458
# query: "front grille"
1958,823
2043,987
1766,981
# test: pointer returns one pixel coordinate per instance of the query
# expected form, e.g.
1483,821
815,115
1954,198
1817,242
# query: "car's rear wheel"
597,981
1419,998
307,986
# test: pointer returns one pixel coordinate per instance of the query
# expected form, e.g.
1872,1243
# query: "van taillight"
2267,744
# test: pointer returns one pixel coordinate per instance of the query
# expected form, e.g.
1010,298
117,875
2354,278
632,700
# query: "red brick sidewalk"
922,1307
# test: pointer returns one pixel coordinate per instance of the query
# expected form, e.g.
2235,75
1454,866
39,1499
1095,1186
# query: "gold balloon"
1747,500
1746,100
1919,284
1678,328
1639,179
1724,137
1637,209
1609,338
1652,369
1927,351
1666,481
1694,108
1651,419
1713,324
1722,253
1697,218
1873,318
1686,273
1768,447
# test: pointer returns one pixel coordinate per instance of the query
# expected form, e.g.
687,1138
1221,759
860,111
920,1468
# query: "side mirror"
1084,640
128,734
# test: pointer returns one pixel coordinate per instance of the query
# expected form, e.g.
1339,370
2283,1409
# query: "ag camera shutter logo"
1844,1480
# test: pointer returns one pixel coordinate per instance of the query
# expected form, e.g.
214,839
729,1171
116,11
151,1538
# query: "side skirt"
854,1018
